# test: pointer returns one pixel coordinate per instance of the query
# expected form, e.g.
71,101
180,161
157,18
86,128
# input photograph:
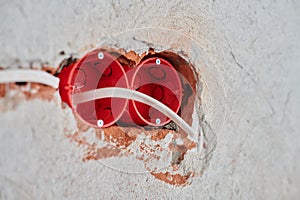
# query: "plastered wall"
254,47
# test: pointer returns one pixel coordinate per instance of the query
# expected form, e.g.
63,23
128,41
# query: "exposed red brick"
160,134
173,179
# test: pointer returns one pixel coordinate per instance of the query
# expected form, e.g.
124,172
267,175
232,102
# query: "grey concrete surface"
255,47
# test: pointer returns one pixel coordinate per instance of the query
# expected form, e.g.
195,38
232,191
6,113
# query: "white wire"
137,96
48,79
27,75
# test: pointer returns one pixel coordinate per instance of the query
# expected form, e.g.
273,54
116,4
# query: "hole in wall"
165,152
147,144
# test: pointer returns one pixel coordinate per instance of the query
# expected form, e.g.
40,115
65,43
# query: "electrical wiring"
108,92
116,92
28,75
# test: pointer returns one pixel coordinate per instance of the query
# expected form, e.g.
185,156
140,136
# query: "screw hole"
100,55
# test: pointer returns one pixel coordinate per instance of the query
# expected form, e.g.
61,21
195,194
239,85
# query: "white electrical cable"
48,79
27,75
136,96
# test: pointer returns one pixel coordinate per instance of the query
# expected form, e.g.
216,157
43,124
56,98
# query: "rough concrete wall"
255,47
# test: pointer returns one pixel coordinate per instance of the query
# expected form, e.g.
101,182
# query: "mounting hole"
157,121
100,55
157,61
100,123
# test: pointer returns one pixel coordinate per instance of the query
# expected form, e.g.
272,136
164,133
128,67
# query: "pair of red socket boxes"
153,76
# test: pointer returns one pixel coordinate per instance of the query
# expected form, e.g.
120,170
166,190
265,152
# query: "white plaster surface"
255,47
